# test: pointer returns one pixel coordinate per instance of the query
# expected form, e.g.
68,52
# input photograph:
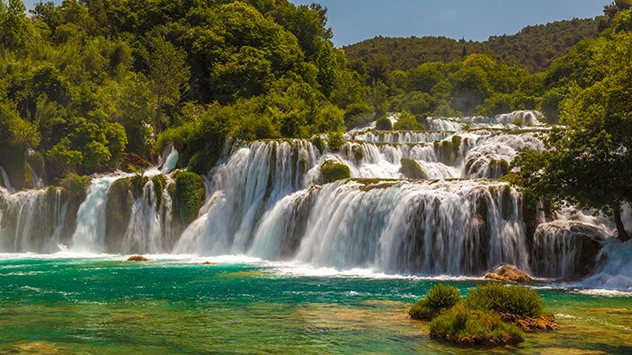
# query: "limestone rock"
510,274
138,258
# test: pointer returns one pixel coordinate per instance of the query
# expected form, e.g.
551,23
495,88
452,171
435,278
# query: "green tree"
168,73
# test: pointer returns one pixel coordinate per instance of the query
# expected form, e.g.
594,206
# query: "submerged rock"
138,258
34,347
510,274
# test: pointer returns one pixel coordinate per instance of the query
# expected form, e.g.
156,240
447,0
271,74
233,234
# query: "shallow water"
107,306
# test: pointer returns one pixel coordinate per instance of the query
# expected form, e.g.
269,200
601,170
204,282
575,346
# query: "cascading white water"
89,235
452,227
171,157
7,183
510,121
31,221
149,227
267,199
254,178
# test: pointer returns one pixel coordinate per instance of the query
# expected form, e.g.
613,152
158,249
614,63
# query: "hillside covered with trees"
88,86
534,47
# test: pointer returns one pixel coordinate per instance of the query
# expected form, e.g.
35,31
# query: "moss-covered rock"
358,153
335,140
334,171
159,184
318,142
383,124
200,163
131,162
36,161
412,170
188,196
118,212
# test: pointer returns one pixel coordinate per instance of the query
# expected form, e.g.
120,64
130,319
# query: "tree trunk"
623,235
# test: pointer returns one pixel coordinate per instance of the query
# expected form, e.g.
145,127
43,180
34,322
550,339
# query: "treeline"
96,85
534,47
590,90
92,85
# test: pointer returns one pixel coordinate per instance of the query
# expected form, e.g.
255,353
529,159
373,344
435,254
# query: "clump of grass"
439,298
514,300
465,326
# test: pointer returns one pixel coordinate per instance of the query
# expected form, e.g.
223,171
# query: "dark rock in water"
568,250
510,274
138,258
209,263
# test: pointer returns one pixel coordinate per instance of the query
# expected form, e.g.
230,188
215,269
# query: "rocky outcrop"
138,258
509,274
566,249
529,324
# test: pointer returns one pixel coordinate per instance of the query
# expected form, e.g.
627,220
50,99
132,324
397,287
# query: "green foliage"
534,47
358,114
407,121
439,298
383,124
514,300
84,82
583,162
335,140
333,171
465,326
75,185
412,170
188,196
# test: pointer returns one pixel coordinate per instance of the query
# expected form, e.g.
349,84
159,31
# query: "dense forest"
92,86
534,47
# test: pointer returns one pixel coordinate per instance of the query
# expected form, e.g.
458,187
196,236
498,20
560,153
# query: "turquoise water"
105,306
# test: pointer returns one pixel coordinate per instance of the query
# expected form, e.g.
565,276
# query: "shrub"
408,121
412,170
465,326
440,297
334,171
335,140
358,114
383,124
515,300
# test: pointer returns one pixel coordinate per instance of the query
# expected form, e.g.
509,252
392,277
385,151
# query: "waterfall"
456,227
89,235
31,221
267,199
149,227
170,159
7,182
254,178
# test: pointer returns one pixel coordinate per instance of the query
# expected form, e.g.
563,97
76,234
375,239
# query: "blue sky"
356,20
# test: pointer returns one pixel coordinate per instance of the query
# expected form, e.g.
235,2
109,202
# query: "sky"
356,20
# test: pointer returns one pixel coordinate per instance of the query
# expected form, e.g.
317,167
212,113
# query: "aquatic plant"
516,300
465,326
439,298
